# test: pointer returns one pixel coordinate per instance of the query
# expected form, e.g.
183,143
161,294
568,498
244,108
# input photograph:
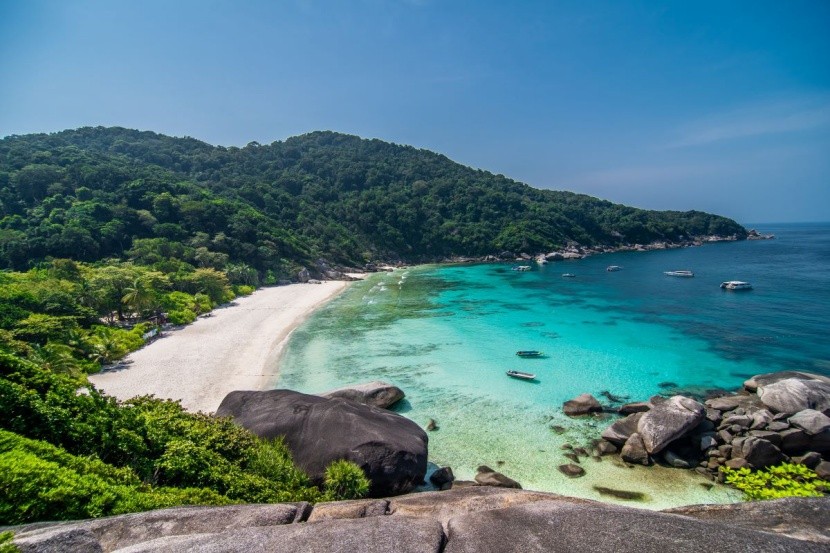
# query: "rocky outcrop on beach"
486,476
668,421
472,519
376,393
391,449
581,405
777,417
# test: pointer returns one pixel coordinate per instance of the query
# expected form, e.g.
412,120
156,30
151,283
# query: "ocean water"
447,334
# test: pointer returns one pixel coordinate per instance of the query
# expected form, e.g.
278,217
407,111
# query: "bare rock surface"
391,449
667,421
553,526
369,535
635,407
760,453
803,518
488,477
621,429
581,405
634,451
476,518
759,380
443,506
811,421
359,508
121,531
57,539
791,395
376,393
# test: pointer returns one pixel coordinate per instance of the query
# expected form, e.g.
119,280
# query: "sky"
718,106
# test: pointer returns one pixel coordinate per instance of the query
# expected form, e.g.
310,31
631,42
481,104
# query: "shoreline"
238,347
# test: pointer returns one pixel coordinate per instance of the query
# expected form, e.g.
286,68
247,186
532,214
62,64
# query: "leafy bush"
144,441
784,480
243,289
42,482
344,480
106,344
6,545
181,317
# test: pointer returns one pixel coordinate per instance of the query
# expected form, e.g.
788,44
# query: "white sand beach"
236,348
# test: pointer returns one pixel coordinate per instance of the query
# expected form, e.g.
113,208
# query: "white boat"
521,268
612,268
686,274
568,275
736,285
521,375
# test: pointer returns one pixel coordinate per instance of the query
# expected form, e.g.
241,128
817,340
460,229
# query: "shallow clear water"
446,335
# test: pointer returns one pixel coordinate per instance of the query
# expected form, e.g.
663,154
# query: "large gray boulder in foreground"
480,519
792,395
376,393
668,421
554,526
391,449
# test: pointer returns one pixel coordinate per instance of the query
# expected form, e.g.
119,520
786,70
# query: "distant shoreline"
237,348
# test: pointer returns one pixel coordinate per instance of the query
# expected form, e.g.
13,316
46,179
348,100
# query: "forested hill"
93,193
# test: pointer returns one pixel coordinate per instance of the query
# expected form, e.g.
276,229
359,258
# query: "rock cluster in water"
460,520
777,417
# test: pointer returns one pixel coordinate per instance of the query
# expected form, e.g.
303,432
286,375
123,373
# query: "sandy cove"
237,348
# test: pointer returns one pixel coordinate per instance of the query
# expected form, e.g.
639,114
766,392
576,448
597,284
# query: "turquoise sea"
447,334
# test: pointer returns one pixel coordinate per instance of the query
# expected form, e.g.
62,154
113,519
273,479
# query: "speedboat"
520,375
529,353
568,275
686,274
521,268
736,285
612,268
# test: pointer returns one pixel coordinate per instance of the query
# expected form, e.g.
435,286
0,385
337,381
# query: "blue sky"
718,106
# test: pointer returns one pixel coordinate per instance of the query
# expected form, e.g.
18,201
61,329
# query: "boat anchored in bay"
736,285
520,375
684,273
529,353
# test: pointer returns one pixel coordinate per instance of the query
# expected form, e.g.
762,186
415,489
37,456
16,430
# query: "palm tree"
139,296
57,358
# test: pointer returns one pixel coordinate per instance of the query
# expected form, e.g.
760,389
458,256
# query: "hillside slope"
92,193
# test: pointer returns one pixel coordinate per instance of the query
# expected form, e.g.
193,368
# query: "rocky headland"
777,417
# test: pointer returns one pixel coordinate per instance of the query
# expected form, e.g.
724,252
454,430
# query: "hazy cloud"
756,120
648,175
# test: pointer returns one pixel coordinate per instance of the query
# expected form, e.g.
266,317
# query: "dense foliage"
784,480
260,211
67,451
75,316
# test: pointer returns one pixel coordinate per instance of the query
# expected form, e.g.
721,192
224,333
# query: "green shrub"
243,289
344,480
784,480
106,344
39,481
181,317
6,545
